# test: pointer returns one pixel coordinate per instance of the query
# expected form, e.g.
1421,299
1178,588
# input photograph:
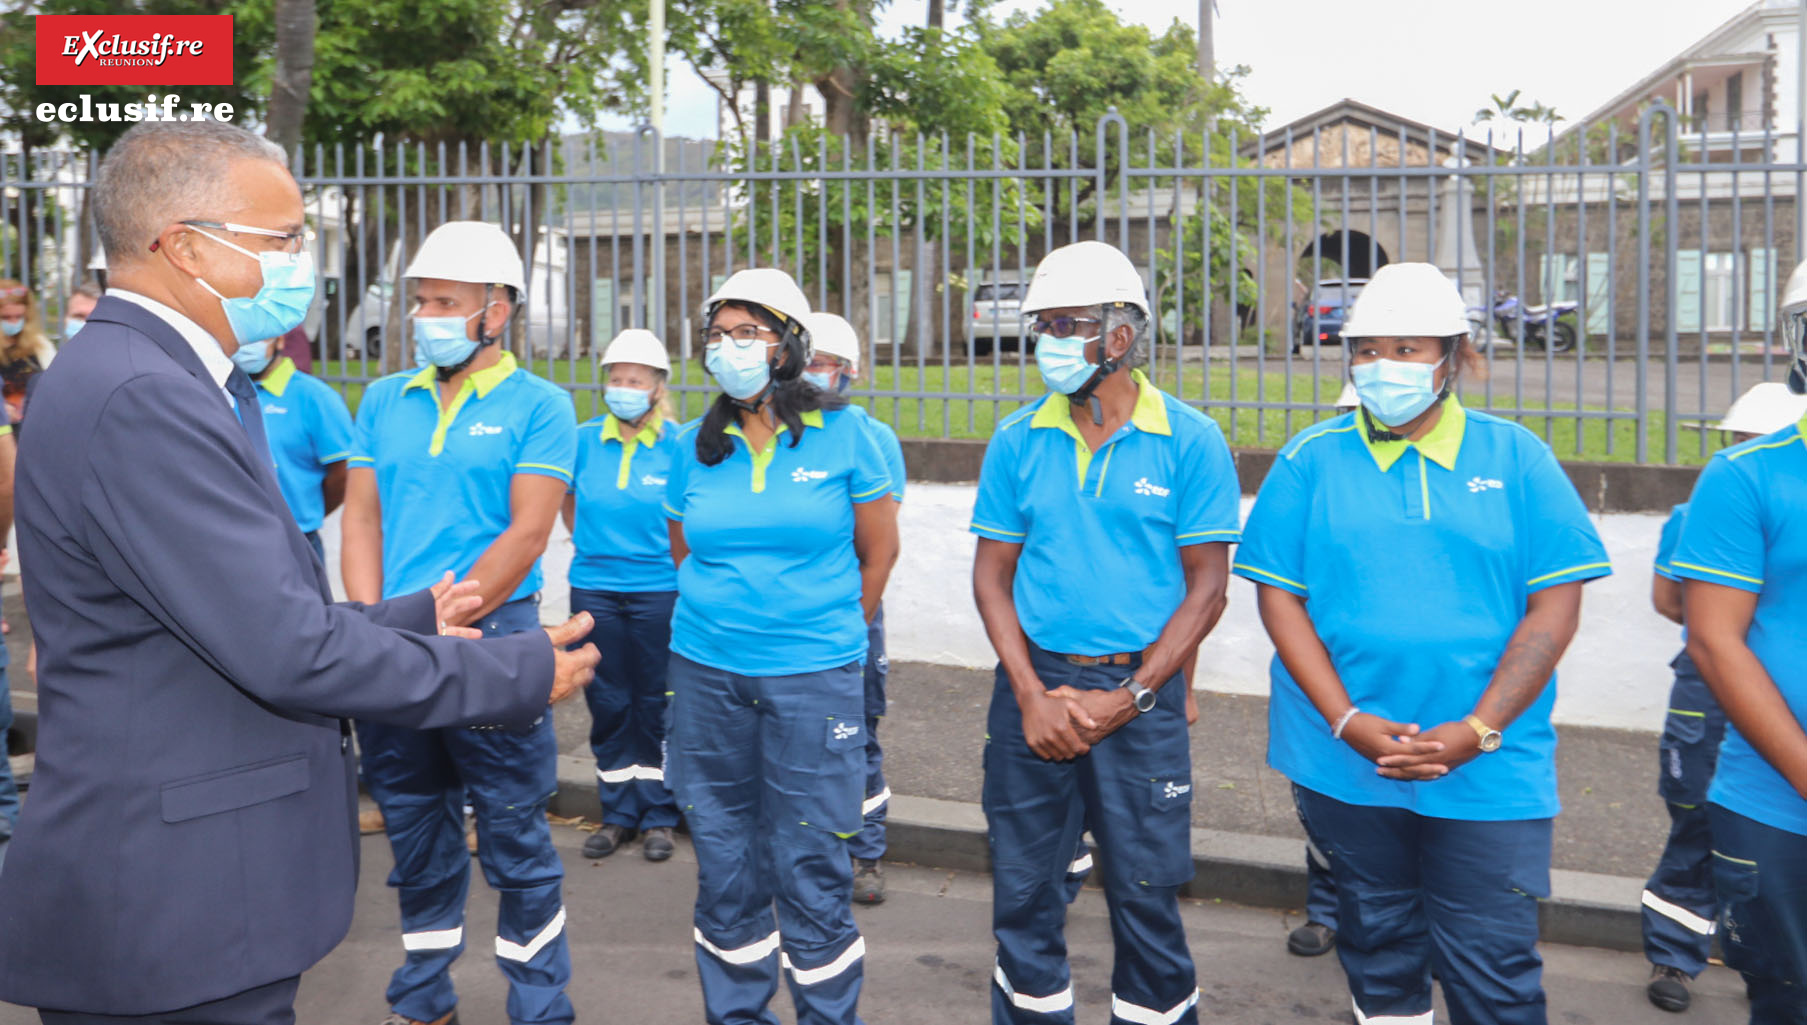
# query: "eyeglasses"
291,240
1061,327
15,292
741,336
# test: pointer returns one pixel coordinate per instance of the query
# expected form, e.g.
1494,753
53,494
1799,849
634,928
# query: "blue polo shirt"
888,445
309,430
1100,570
1747,528
772,585
620,536
1416,560
1667,542
444,475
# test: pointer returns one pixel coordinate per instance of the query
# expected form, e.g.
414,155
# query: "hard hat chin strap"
1106,367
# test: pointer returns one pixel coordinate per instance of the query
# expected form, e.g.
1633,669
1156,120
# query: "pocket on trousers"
1166,860
1735,879
231,789
1684,727
839,785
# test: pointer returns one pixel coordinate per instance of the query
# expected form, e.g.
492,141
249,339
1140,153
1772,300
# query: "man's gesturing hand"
571,669
453,603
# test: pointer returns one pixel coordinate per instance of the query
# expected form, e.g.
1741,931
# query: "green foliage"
1507,108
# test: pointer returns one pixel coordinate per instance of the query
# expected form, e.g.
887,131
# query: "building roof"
1385,124
1710,51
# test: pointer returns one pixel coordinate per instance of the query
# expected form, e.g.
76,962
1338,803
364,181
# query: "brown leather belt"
1121,658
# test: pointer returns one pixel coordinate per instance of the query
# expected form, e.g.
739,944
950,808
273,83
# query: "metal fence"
1669,243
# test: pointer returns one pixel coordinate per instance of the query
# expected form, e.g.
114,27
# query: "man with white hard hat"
1105,513
834,364
463,465
1742,558
1680,905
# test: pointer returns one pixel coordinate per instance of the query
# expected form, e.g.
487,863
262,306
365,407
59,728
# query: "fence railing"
1668,246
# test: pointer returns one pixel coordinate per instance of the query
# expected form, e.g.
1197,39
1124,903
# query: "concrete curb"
1584,908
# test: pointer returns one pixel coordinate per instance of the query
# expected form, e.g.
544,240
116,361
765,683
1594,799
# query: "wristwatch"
1490,737
1140,695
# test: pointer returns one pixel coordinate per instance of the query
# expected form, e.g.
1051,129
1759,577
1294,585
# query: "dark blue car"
1319,320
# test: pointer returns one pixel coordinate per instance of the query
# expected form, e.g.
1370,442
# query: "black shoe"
868,881
656,844
1668,988
1311,939
603,842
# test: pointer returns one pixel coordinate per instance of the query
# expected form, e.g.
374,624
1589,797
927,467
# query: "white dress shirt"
214,358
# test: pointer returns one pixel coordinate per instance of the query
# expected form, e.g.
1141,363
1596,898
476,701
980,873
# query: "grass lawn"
989,393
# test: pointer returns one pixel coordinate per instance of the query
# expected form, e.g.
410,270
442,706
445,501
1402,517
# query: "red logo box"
134,49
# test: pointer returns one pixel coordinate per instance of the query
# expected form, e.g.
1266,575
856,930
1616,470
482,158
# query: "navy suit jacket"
191,828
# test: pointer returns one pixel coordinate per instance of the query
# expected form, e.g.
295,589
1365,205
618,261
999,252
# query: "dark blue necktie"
250,414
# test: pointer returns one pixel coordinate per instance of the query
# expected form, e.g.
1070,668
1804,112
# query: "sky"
1429,60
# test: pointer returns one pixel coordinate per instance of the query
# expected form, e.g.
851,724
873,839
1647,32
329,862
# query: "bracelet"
1336,732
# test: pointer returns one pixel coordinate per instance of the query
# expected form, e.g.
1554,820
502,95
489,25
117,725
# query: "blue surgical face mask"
1062,362
71,326
742,373
831,381
252,359
12,327
629,404
1395,391
443,341
279,306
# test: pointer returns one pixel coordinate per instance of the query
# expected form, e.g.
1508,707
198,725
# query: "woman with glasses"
25,349
1419,568
767,748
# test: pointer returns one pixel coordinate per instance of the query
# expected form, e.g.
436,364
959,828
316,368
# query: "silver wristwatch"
1140,695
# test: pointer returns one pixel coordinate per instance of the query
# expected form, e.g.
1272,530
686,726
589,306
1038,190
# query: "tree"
1507,108
292,76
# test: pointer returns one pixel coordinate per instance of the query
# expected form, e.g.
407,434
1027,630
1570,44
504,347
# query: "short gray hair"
160,172
1112,317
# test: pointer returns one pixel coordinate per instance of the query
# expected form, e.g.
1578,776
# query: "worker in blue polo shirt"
621,573
834,365
1743,556
784,533
1419,568
1105,513
1680,904
310,435
462,465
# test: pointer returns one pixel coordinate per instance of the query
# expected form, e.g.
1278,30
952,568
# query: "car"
1319,319
996,313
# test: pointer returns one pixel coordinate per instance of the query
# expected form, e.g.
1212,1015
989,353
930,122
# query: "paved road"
929,957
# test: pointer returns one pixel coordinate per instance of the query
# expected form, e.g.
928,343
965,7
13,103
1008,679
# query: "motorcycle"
1549,327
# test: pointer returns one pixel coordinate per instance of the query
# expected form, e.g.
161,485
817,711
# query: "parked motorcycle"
1549,327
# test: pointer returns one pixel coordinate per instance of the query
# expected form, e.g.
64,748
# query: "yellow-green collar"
484,380
1440,446
1149,416
647,435
763,458
811,418
276,381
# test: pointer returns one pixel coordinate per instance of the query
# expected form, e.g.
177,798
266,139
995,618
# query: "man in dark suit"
189,846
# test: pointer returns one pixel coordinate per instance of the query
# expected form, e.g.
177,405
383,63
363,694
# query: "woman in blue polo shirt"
622,575
1419,569
767,748
1743,554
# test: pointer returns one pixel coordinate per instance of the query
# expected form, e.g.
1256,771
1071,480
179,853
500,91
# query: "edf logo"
1170,789
846,730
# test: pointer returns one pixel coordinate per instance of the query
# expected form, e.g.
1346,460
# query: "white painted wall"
1615,674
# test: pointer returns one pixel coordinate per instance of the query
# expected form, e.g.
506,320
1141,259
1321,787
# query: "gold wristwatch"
1490,737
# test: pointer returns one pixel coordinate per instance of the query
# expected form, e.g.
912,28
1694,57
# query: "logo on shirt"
648,480
276,409
1170,790
846,730
802,476
1143,487
1480,484
480,429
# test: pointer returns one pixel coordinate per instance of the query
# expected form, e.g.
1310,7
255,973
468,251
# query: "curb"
1584,908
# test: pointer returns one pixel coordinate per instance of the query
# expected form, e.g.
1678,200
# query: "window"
1734,100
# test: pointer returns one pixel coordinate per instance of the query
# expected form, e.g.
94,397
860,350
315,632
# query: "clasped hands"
1404,752
455,605
1063,723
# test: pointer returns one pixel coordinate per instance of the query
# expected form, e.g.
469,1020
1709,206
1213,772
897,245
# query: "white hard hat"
637,345
473,251
1347,399
1765,409
1085,274
1794,327
764,286
832,334
1408,300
